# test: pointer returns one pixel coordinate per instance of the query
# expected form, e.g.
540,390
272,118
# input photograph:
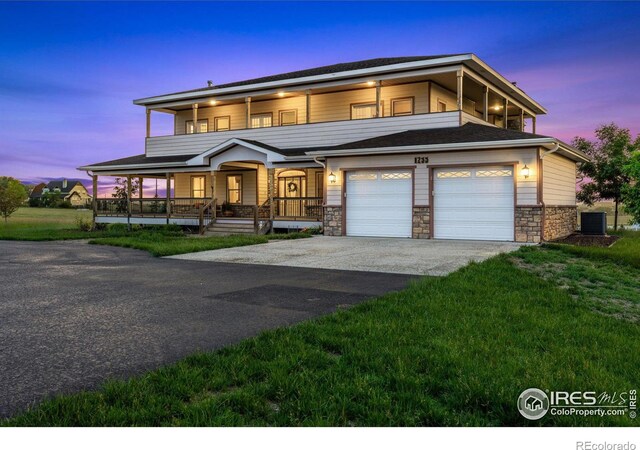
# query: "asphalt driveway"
388,255
73,315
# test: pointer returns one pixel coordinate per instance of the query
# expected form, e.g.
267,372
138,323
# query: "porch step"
225,228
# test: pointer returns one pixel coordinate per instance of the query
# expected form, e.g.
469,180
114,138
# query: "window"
234,189
454,174
363,111
260,120
396,176
363,176
222,123
494,173
442,106
203,126
197,186
289,117
402,106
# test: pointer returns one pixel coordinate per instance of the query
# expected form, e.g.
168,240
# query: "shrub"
65,205
117,228
84,224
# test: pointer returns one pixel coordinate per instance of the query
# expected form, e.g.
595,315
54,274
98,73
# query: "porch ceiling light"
281,94
370,83
525,171
213,103
332,178
497,107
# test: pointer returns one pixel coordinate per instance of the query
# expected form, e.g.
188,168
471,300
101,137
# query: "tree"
604,177
631,192
120,192
12,196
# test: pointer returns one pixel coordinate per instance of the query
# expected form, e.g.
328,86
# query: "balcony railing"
298,208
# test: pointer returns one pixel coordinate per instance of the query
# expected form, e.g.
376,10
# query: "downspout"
553,150
315,159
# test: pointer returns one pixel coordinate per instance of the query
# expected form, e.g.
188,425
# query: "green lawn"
45,224
165,245
456,350
49,224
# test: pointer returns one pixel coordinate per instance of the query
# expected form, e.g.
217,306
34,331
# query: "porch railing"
151,207
298,207
207,215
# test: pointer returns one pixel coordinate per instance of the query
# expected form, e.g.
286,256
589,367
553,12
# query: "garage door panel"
379,203
474,203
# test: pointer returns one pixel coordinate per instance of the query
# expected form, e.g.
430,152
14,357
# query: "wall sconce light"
332,178
525,171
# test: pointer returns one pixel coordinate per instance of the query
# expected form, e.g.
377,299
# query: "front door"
291,191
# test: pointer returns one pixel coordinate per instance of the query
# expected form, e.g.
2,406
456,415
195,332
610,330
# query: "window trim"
265,114
413,106
215,123
204,186
438,101
241,189
187,122
293,110
373,103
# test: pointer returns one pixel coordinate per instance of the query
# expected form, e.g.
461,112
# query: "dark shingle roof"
143,159
324,70
467,133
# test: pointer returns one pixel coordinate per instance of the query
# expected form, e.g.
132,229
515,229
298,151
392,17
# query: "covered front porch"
220,188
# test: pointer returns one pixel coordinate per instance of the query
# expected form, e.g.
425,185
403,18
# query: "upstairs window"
442,106
203,126
363,111
197,186
402,106
234,189
222,123
289,117
260,120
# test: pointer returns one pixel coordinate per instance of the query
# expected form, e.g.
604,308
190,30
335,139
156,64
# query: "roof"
53,186
469,133
144,160
324,70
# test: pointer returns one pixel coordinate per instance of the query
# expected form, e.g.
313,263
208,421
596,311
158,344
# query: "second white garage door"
474,203
379,203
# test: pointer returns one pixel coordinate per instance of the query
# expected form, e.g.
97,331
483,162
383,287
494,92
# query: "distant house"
72,191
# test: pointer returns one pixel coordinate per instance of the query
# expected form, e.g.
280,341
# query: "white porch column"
95,198
459,90
129,200
248,102
533,124
195,117
505,110
271,175
485,113
521,119
148,123
378,96
168,196
308,95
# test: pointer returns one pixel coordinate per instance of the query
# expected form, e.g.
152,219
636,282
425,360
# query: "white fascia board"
436,147
311,79
126,166
198,160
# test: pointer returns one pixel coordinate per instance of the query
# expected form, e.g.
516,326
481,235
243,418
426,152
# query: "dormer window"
203,126
363,111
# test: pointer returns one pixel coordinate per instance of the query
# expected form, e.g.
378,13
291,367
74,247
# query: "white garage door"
379,203
473,203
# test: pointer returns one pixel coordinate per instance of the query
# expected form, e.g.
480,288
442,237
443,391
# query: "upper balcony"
339,111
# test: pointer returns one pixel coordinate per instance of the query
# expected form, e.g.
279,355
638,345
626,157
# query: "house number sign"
421,159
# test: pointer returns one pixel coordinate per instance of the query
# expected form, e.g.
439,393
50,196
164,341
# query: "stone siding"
332,221
559,221
421,223
528,224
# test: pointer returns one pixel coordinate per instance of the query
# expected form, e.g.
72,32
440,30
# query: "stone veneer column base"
421,222
559,221
528,225
332,221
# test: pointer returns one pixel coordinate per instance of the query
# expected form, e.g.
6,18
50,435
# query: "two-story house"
426,147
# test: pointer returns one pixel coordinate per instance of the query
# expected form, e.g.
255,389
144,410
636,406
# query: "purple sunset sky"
69,71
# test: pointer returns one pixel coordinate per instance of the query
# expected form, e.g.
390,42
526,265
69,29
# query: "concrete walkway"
388,255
